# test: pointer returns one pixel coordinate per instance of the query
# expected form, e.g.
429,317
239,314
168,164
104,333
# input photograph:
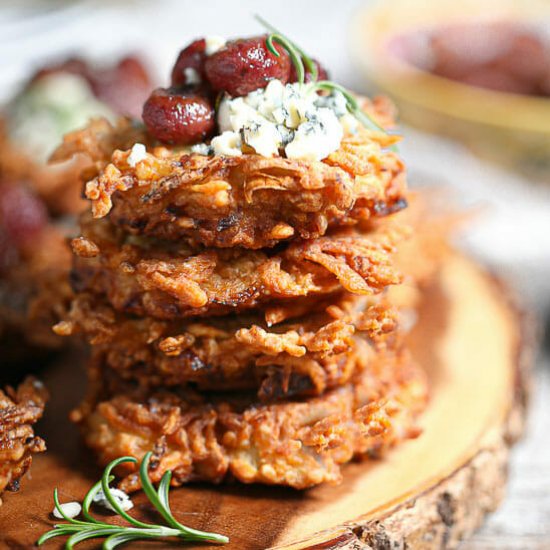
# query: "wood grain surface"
427,493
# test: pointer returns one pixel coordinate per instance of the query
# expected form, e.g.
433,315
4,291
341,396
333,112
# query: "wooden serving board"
428,493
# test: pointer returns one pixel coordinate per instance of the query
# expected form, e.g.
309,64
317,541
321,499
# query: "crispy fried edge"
236,351
359,180
297,443
19,410
153,279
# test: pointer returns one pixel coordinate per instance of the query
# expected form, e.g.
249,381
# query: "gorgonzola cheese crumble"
291,119
121,497
70,509
137,154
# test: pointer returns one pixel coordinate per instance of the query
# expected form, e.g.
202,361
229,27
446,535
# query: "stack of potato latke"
237,310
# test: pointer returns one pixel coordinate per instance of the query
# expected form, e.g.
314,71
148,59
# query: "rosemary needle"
116,535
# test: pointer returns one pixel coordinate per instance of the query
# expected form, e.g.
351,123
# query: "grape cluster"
185,112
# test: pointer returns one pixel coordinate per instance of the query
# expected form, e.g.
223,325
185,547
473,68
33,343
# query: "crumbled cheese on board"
70,509
121,497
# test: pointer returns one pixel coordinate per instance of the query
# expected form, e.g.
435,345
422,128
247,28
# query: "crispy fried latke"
170,280
249,201
303,356
35,294
295,443
19,410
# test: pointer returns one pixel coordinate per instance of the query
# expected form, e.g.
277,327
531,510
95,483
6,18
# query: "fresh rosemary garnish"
351,104
299,58
115,535
295,55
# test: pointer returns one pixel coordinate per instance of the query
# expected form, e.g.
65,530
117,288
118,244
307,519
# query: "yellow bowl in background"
510,128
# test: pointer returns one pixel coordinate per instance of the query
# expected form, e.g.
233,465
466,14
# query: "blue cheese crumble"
289,119
124,501
70,509
137,154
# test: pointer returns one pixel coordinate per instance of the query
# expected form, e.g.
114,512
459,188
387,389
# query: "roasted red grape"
192,57
246,65
22,217
179,115
124,87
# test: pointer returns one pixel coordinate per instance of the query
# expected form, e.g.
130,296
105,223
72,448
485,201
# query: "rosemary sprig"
115,535
294,54
299,58
303,58
351,104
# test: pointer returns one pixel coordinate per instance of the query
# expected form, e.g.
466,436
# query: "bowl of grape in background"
475,71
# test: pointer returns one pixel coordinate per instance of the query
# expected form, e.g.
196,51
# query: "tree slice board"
427,493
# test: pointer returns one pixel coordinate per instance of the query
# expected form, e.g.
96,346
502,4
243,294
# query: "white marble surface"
512,233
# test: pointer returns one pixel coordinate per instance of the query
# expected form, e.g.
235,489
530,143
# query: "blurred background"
472,83
475,72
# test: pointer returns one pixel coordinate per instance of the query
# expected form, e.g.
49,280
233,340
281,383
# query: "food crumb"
70,509
121,497
137,154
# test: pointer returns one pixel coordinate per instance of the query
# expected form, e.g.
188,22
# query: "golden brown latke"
19,410
249,201
34,295
295,443
301,356
170,280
